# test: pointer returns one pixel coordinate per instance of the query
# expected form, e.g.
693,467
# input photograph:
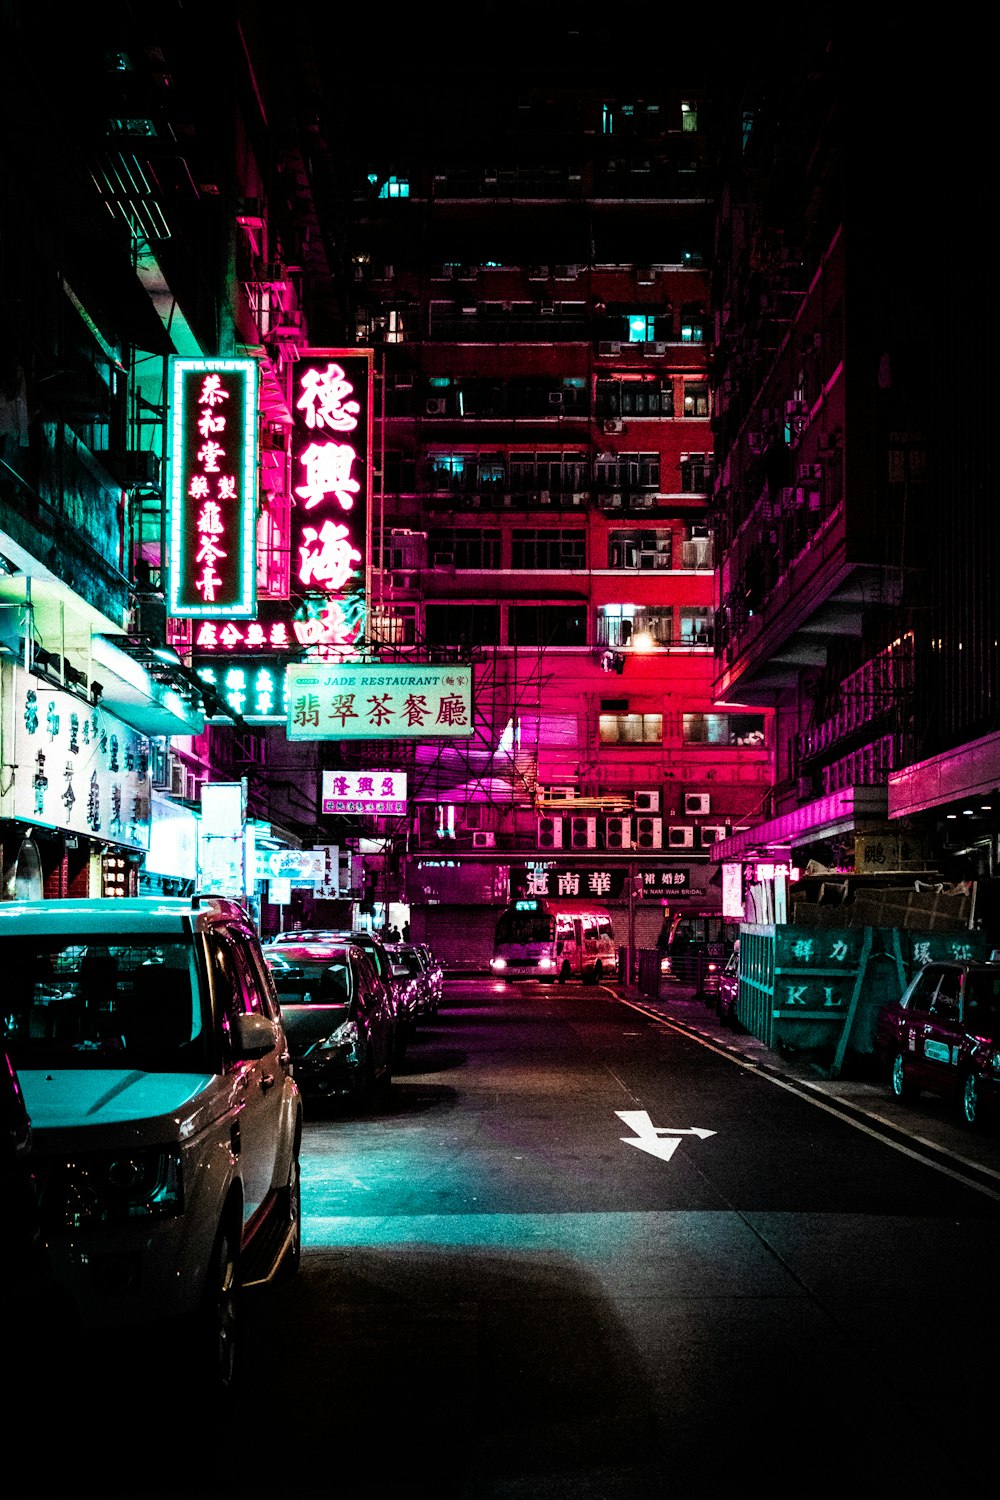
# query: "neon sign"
331,468
212,452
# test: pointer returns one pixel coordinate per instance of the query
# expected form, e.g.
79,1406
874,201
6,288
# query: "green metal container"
818,990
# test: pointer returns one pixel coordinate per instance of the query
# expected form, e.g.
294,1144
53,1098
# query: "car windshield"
71,1002
525,927
982,1004
323,980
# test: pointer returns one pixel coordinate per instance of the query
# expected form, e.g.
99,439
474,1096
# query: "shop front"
74,794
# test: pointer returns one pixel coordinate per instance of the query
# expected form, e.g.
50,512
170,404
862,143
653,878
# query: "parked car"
339,1018
402,1001
729,987
943,1035
436,972
165,1121
411,969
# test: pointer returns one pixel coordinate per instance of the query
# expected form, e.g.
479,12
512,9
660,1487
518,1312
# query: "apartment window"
689,116
695,398
550,548
693,322
400,473
491,471
696,473
645,551
637,625
635,398
394,187
641,328
394,624
465,547
548,625
458,624
404,550
697,626
628,471
723,729
451,471
558,471
630,729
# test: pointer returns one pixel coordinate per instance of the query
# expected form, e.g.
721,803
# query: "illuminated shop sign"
317,621
79,768
366,701
307,865
255,687
378,793
212,455
610,882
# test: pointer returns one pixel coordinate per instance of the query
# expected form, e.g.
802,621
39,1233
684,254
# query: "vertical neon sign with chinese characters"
212,452
331,488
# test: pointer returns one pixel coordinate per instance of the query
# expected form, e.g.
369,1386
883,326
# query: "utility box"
817,991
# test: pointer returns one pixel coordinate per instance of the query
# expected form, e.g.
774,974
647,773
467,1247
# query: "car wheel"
293,1218
901,1084
972,1102
564,973
219,1315
598,972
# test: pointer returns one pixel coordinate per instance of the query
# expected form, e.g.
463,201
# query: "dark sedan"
943,1035
338,1018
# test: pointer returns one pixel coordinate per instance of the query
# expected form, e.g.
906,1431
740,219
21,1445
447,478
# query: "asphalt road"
585,1251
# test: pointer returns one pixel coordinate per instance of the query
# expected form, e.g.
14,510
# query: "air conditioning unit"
646,802
611,501
178,777
680,838
648,833
618,833
435,406
583,833
550,833
484,840
159,765
697,803
545,497
555,398
609,346
559,793
613,424
712,833
444,559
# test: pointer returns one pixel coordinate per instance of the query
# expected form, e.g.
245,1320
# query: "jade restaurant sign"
366,701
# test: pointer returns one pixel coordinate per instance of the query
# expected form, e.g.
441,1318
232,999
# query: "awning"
853,808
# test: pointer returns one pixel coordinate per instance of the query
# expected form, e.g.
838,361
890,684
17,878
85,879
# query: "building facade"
858,535
537,289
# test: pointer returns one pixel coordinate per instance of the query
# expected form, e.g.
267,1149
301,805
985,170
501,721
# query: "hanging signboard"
212,457
368,701
79,768
378,793
608,883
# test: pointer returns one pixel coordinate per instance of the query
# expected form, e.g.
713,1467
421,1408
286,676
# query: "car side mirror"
254,1036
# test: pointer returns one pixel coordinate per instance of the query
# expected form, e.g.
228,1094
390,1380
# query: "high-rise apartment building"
854,390
534,279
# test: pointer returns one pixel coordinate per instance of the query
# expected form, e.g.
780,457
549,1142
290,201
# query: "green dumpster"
817,991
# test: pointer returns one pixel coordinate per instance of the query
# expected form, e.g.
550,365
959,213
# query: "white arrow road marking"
659,1141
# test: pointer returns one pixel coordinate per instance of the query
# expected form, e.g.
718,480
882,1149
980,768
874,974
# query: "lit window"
394,187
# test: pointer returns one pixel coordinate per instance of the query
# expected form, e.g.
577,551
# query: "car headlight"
995,1062
498,963
111,1187
546,963
346,1035
664,966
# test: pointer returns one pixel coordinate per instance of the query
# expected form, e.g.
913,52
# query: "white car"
165,1119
